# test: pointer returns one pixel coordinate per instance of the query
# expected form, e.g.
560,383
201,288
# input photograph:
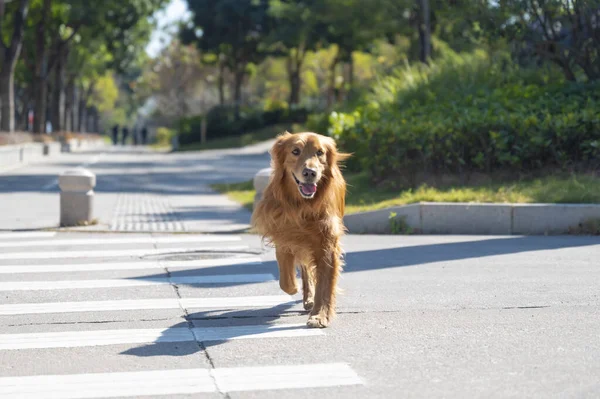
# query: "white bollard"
76,196
261,180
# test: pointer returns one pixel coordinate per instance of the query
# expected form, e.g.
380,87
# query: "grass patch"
363,197
249,138
243,193
574,189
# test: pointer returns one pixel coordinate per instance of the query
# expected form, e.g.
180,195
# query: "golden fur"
306,232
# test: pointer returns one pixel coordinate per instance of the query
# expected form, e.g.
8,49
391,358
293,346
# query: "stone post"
76,196
261,180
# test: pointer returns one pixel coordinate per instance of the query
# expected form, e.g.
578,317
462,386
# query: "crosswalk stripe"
182,381
179,239
28,234
118,283
238,379
108,385
73,339
139,304
113,253
188,264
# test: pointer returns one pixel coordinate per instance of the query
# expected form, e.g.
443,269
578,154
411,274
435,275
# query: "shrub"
164,136
471,113
318,123
221,121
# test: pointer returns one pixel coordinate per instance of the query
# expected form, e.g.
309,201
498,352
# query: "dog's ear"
334,157
278,149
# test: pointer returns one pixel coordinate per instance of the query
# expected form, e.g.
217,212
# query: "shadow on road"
263,319
355,261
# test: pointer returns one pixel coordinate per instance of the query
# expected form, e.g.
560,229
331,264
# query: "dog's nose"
308,173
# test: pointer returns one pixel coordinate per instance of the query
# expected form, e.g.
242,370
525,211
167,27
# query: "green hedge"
221,122
471,113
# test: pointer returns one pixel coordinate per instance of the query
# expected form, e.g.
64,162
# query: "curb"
464,218
14,156
474,218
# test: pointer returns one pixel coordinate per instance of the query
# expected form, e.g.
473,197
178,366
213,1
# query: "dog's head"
307,162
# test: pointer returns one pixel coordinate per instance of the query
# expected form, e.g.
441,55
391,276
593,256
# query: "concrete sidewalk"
137,190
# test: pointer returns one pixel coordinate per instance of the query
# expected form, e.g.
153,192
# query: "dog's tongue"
308,188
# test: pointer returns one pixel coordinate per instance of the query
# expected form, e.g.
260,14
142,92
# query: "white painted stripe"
73,339
121,240
108,385
139,304
113,253
140,282
28,234
182,381
240,379
236,302
188,264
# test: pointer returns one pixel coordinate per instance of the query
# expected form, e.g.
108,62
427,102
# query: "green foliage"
164,136
398,225
318,123
222,122
470,113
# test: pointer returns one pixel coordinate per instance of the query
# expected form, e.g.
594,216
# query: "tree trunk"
331,88
95,120
58,92
81,112
350,71
237,89
294,69
7,94
221,83
295,87
8,60
424,30
69,103
83,108
41,72
39,107
24,113
74,103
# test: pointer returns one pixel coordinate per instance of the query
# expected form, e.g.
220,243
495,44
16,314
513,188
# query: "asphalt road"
189,315
419,316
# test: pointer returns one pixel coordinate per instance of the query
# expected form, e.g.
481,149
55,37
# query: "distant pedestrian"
135,136
125,134
115,134
144,136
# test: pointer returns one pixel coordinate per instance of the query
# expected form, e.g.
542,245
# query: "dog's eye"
296,151
320,153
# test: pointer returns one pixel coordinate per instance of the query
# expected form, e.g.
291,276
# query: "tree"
351,29
178,81
233,29
424,13
566,33
296,30
9,54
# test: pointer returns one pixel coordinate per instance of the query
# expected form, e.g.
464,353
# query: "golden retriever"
301,213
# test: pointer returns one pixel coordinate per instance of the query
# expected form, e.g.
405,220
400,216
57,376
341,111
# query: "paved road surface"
137,190
189,315
115,315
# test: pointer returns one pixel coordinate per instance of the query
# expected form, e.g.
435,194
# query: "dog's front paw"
317,321
288,287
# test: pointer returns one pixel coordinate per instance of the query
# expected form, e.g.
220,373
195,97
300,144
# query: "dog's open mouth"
307,190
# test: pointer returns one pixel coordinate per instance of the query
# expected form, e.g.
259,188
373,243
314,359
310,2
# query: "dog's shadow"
197,331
